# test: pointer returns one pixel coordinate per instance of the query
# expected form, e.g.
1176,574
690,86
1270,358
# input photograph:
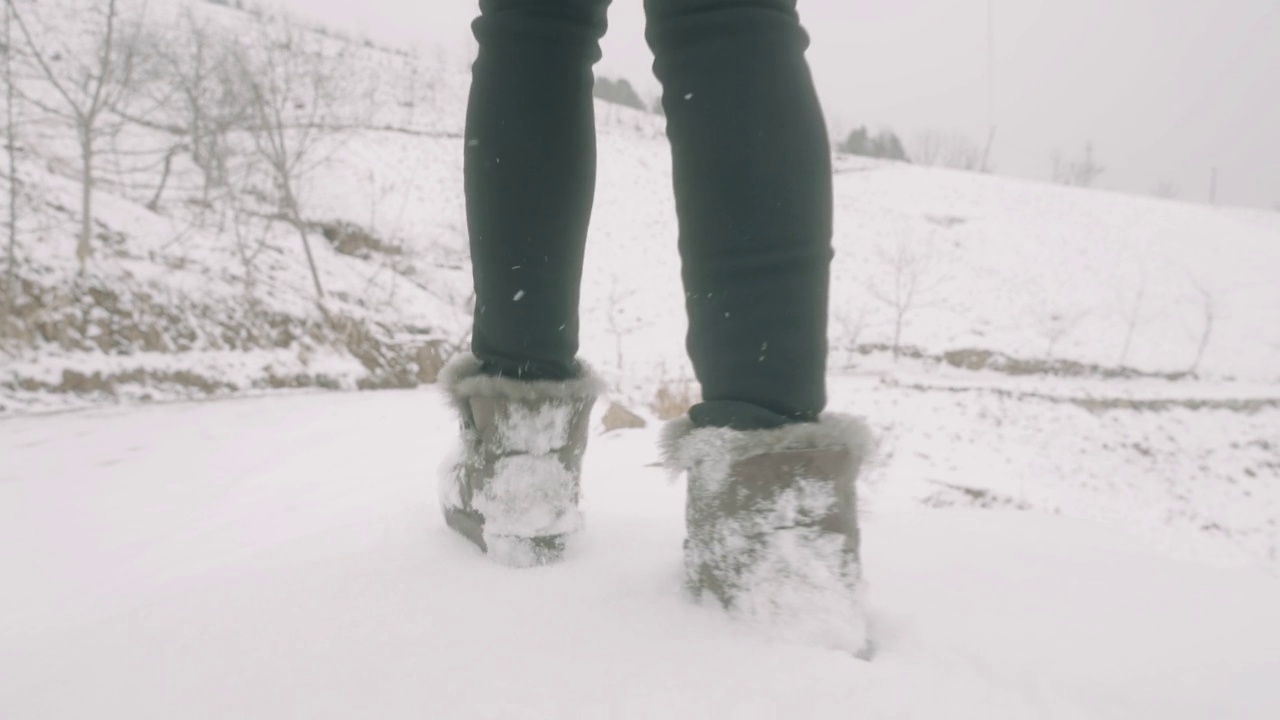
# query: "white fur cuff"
461,379
684,446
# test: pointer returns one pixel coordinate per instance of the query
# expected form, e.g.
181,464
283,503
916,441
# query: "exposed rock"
351,239
618,417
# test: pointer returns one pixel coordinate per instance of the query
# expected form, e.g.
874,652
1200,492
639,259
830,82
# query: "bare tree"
1208,316
906,284
167,166
985,165
1166,189
618,320
851,324
1081,172
1134,316
419,85
299,98
87,86
1060,173
196,67
926,147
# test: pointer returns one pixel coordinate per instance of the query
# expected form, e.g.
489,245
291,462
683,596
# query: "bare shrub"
905,285
1166,190
418,87
1082,171
620,319
251,235
851,324
1208,318
673,398
1133,316
674,394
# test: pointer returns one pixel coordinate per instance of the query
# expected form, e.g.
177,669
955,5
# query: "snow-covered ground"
283,557
1077,528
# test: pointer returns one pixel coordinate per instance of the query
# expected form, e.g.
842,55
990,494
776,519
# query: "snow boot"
772,525
513,487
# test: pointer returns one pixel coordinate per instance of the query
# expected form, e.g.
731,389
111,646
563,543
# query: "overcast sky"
1165,89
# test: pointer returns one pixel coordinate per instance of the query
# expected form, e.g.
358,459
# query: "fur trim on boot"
772,525
514,486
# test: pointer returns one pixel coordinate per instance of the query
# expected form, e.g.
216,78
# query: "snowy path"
284,558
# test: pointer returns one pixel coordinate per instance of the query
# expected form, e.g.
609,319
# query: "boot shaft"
502,426
515,485
772,524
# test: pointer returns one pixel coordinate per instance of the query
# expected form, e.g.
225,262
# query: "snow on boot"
513,488
772,525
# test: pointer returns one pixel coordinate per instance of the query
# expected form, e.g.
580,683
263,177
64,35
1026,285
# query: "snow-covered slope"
1004,265
196,292
283,558
1051,278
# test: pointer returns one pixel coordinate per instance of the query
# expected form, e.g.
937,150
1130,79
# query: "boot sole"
516,551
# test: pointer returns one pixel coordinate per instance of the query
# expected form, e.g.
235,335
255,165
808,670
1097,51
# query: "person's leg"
522,400
530,178
753,194
771,511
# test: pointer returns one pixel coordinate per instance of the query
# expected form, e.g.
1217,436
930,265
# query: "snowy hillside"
1037,272
211,294
196,281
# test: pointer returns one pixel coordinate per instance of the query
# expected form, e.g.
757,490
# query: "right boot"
772,525
514,485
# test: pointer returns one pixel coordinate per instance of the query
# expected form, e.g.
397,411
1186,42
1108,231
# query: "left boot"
513,488
772,525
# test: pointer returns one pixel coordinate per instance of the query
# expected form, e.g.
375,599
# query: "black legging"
752,185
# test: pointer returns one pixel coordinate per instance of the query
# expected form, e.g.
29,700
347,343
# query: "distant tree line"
1083,170
884,144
